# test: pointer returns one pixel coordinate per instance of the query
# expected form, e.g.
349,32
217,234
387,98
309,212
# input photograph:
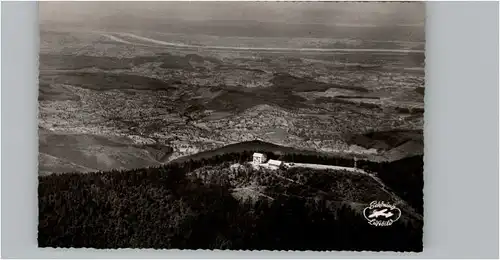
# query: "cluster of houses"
261,159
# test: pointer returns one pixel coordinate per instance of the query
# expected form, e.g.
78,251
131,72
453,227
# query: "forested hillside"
193,205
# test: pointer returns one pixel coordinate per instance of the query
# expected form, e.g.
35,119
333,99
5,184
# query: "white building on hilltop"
259,158
275,163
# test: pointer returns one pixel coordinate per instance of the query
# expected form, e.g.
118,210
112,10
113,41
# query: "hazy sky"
298,12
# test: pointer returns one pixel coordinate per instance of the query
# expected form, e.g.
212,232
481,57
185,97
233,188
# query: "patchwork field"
151,112
197,100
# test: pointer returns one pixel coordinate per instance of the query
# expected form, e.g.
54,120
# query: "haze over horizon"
319,19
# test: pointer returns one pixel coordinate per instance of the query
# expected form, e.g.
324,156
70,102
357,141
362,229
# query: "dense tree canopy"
191,205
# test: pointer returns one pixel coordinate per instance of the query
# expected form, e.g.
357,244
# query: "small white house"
259,158
275,163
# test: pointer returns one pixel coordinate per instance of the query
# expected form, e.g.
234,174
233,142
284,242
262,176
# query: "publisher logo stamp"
381,213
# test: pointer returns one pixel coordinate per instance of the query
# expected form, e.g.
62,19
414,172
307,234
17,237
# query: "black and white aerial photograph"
231,125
